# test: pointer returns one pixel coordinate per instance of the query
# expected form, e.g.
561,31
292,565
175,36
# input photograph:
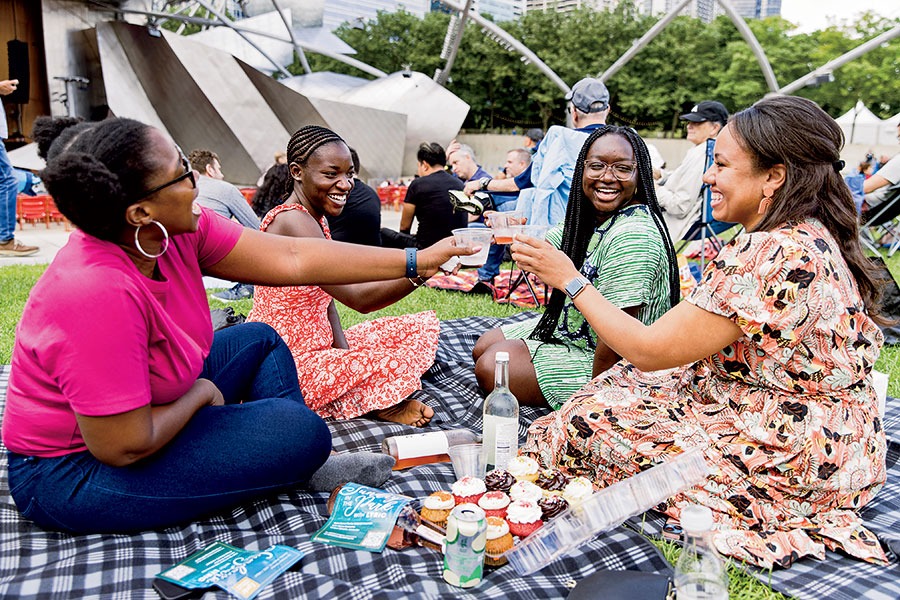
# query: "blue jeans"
225,455
491,267
8,188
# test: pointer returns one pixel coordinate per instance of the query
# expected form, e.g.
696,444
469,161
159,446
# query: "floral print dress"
786,415
383,365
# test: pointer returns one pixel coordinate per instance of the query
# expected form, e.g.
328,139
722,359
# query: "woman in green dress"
615,234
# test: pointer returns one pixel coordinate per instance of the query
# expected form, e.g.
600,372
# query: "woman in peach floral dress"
371,368
776,347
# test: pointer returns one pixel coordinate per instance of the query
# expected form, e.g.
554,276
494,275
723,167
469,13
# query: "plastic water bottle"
501,419
700,572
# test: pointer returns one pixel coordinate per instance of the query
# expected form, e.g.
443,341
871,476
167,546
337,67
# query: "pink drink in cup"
501,224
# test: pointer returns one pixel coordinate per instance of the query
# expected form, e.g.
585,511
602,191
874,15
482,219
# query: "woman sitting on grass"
615,234
124,411
765,367
371,368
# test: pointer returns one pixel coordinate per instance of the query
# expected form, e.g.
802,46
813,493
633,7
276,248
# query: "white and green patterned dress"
626,260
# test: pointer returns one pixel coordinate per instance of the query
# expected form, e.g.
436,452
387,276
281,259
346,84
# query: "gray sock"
366,468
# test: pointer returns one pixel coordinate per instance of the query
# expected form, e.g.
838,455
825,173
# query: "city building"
340,11
500,10
757,9
705,10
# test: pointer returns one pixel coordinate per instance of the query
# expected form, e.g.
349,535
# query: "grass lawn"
17,280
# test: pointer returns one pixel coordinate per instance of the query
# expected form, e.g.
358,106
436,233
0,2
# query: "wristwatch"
576,286
483,183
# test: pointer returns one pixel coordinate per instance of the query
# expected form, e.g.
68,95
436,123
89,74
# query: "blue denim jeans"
8,188
225,455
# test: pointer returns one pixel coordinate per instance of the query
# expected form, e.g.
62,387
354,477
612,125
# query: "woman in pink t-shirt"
125,412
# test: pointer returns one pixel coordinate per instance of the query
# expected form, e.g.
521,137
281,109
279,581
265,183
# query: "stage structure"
128,62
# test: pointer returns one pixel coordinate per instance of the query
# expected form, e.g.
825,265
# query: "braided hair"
307,140
96,178
580,223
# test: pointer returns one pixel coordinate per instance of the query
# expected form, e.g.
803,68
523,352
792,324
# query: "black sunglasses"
188,174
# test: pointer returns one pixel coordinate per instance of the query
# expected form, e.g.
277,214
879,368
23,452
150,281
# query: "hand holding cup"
537,256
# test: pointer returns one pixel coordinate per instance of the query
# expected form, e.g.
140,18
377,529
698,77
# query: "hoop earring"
764,205
164,245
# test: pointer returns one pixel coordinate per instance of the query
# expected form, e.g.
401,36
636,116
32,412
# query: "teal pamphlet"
362,518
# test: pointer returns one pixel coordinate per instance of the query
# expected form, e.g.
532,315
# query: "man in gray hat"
545,183
680,195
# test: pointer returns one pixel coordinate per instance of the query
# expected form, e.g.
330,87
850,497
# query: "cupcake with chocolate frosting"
552,481
552,506
499,480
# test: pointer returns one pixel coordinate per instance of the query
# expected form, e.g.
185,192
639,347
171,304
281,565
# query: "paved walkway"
52,239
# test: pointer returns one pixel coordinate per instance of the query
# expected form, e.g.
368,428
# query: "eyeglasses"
620,170
188,174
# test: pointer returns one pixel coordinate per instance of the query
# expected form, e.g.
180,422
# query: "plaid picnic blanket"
39,564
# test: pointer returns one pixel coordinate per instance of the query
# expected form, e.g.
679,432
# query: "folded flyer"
242,573
362,518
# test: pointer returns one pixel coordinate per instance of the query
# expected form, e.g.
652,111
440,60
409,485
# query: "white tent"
860,125
888,132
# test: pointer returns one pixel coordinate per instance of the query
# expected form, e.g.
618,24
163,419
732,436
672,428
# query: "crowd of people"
765,366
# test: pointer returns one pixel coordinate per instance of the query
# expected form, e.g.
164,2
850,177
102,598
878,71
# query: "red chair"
384,194
53,213
248,193
398,195
31,209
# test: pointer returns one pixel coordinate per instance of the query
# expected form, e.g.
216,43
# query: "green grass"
16,282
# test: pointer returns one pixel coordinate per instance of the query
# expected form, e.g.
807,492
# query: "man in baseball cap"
546,182
589,96
708,110
679,197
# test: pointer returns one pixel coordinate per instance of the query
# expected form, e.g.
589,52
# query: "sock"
366,468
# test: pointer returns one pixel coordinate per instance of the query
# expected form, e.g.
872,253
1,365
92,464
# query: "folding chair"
880,221
53,213
705,228
31,209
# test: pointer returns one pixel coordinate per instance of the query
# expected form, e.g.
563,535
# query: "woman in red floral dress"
766,366
371,368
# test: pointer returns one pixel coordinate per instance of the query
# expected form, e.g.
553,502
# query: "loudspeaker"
18,69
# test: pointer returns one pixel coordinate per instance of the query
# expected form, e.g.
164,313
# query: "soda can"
464,549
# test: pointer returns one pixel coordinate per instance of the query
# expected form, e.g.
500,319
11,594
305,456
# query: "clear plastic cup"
535,231
467,460
469,237
502,223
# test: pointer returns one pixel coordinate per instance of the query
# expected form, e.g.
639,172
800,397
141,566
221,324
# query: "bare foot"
406,412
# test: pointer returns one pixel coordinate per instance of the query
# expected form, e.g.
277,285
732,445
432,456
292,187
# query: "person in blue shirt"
545,183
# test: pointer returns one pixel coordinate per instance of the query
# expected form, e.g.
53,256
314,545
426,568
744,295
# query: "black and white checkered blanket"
39,564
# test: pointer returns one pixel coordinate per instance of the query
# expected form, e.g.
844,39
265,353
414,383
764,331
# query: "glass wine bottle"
501,418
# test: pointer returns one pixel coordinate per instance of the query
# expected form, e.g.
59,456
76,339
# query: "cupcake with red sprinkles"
494,504
468,489
524,517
